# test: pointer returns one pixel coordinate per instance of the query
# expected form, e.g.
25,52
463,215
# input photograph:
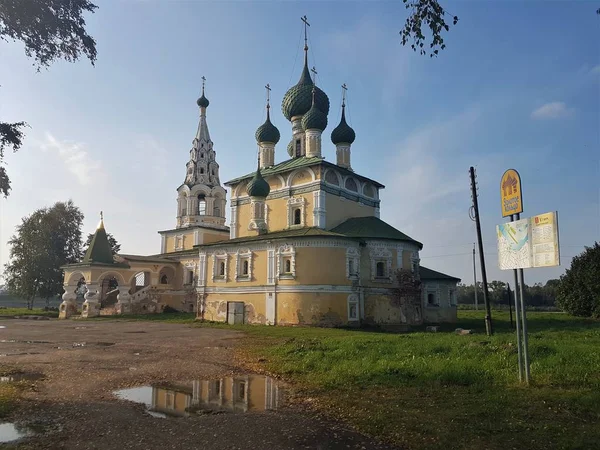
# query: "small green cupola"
314,119
343,133
267,132
258,187
99,250
203,102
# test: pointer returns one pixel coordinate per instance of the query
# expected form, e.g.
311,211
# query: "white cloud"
75,158
552,110
596,70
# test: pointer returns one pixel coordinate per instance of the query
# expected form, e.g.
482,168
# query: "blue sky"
517,87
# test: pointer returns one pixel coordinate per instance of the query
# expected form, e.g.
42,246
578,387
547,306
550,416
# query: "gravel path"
83,362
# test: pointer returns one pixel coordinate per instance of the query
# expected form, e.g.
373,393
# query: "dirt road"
84,362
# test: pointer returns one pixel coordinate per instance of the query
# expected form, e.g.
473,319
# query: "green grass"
442,390
11,312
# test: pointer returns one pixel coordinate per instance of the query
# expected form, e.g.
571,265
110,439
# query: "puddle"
240,394
2,326
10,432
22,376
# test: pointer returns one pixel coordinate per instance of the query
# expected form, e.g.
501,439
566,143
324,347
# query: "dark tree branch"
425,13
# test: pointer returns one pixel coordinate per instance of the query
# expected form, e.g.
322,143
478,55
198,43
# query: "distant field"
7,301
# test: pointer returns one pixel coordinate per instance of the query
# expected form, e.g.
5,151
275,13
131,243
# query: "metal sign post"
522,244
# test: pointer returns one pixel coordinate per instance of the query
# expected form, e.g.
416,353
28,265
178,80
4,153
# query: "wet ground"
143,385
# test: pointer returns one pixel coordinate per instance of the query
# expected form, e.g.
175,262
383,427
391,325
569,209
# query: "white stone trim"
258,221
271,266
319,210
308,241
218,258
233,223
202,269
431,288
399,256
353,257
241,256
163,243
381,254
284,253
313,288
292,204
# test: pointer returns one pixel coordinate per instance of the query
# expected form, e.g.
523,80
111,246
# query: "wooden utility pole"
488,313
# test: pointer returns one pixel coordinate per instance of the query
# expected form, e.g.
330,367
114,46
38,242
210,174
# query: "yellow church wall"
277,215
308,308
208,237
339,210
318,265
254,306
259,271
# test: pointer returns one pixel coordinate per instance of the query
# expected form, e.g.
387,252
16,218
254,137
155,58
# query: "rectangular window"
351,267
452,297
298,147
245,267
190,277
352,308
287,265
242,390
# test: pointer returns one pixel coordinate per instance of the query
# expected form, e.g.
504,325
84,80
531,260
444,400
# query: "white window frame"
452,295
283,253
218,258
353,255
241,256
384,255
436,295
189,269
293,204
179,241
353,301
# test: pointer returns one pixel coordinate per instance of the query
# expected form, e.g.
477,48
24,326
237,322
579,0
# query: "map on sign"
514,250
527,243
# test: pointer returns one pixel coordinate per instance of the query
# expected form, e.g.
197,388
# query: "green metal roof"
314,119
296,232
371,228
429,274
99,250
296,163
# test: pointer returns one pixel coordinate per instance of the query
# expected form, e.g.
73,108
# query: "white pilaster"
319,210
233,224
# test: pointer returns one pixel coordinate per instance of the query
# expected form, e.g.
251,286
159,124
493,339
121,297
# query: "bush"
579,289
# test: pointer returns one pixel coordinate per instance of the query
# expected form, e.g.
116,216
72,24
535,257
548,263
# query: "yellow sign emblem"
510,193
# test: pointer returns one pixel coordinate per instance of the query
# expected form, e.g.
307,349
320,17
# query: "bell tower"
201,198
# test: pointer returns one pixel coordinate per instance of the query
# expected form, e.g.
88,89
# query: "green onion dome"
267,132
343,133
290,148
203,102
314,119
258,187
298,99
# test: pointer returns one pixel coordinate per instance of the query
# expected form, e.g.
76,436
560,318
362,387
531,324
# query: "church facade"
305,243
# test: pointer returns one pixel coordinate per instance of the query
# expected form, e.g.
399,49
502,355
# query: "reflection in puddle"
233,394
10,432
23,376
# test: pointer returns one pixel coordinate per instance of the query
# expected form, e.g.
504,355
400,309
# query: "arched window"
202,154
297,216
222,269
164,280
245,268
351,185
380,269
288,266
201,169
217,211
201,205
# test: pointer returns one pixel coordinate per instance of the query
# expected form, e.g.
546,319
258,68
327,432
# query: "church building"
305,244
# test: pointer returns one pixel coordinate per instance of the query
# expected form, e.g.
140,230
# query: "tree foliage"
49,30
537,294
46,240
426,14
114,245
578,292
